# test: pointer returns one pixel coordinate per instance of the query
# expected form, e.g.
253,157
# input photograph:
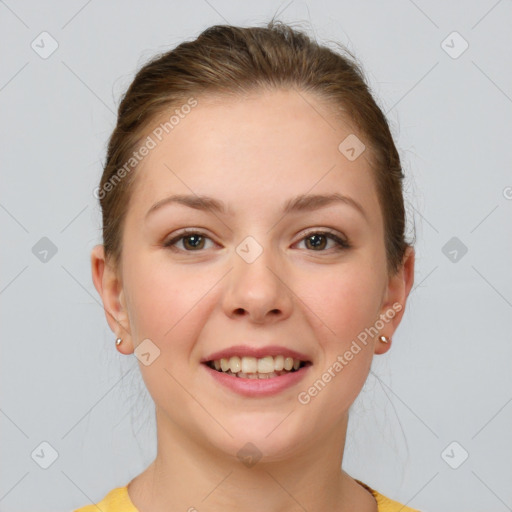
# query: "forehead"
259,149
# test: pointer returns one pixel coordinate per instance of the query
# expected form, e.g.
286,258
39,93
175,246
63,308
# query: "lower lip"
258,387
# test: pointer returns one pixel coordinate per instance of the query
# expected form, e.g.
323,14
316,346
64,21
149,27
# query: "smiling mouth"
252,368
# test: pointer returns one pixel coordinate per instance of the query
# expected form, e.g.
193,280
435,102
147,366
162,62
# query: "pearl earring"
384,339
118,341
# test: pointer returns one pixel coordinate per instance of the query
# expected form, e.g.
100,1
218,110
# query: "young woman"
254,260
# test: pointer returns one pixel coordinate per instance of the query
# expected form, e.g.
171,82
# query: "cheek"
160,295
346,300
348,308
166,307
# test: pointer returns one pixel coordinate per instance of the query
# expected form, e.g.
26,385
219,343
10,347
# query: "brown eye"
317,241
192,241
195,241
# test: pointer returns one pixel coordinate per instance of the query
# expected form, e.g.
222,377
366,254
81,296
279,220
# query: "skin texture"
252,153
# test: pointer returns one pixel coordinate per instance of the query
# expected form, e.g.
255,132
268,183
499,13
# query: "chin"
261,437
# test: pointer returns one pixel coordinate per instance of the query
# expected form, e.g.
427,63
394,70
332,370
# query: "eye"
318,240
191,239
194,241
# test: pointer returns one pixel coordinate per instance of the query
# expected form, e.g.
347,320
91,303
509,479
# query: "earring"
384,339
118,342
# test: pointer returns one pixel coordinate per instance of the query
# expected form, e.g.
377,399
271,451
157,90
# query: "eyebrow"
300,203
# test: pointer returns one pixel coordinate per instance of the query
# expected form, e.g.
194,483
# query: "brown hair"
234,61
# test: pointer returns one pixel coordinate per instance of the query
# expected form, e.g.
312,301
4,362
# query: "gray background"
447,377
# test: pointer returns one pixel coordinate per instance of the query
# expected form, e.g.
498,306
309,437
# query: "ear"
109,286
398,289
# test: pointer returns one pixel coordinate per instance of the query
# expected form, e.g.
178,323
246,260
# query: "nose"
257,291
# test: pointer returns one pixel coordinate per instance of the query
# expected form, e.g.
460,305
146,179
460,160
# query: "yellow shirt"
118,500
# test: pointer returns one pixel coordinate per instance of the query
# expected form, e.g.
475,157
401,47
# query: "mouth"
267,367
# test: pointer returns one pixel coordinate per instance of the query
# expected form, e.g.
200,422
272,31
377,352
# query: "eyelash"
342,244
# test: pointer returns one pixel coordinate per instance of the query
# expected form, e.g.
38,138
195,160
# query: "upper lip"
258,352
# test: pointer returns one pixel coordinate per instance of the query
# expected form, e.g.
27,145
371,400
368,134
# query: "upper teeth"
267,364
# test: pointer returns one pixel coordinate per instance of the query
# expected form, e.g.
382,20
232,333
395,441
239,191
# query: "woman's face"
255,274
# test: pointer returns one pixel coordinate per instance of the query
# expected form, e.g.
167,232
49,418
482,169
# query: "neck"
188,474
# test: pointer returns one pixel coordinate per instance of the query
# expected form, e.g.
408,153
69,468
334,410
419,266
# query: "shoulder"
117,500
385,504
